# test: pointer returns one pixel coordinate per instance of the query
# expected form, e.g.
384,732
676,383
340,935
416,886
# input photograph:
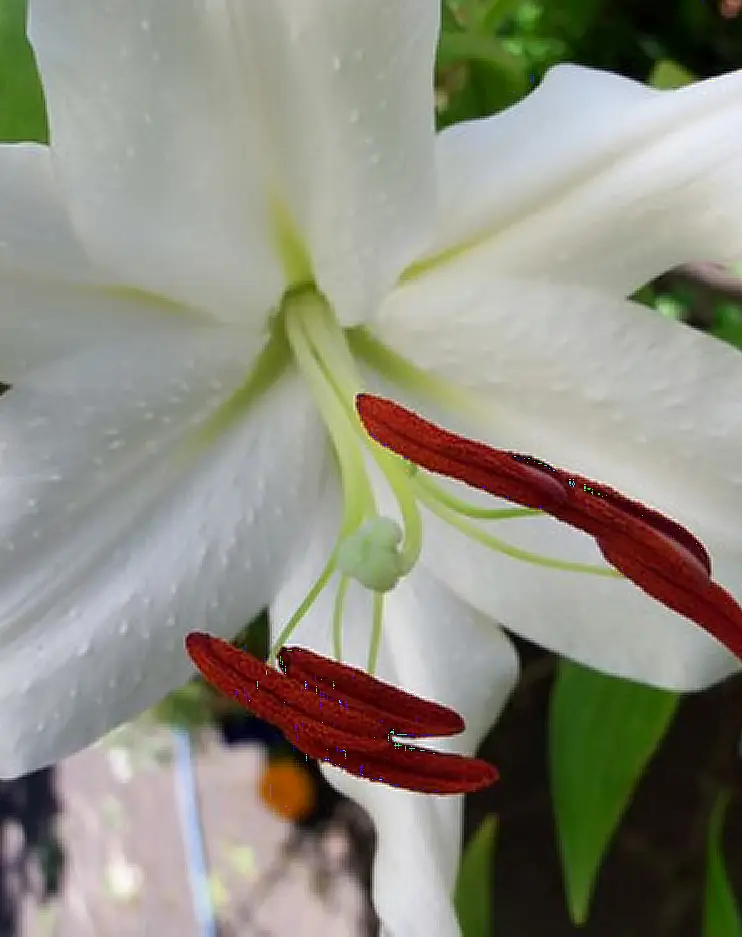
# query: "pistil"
375,551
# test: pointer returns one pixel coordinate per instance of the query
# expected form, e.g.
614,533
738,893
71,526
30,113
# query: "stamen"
427,487
474,532
234,671
604,512
307,602
445,453
337,617
376,630
341,715
419,716
660,556
406,766
707,604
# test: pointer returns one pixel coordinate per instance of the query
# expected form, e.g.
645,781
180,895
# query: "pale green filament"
500,546
376,629
427,486
309,599
337,617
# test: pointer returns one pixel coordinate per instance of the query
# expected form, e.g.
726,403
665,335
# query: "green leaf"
721,916
667,74
473,898
602,733
22,109
728,324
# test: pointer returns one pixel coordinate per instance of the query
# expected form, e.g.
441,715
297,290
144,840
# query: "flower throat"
372,548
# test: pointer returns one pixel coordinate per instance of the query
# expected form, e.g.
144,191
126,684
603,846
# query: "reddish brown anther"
412,715
655,552
342,715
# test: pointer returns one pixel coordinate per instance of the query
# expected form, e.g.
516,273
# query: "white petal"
44,320
438,647
603,387
346,97
124,525
156,149
36,236
597,179
607,389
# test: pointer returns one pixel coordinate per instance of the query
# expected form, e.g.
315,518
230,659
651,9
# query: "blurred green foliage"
721,915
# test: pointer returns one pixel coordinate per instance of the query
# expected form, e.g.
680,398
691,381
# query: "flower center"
374,549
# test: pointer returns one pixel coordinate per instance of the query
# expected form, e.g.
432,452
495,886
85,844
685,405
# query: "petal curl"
36,236
345,94
434,645
604,388
597,179
124,527
151,139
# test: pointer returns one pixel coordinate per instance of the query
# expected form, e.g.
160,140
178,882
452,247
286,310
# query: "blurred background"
198,821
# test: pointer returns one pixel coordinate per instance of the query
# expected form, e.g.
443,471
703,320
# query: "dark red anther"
412,715
402,765
527,482
655,552
344,716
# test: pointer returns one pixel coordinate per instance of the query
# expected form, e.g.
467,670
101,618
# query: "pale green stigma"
371,554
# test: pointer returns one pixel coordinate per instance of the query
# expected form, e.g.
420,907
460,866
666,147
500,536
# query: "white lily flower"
245,218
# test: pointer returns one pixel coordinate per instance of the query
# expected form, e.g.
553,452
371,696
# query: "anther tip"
487,776
366,404
197,643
